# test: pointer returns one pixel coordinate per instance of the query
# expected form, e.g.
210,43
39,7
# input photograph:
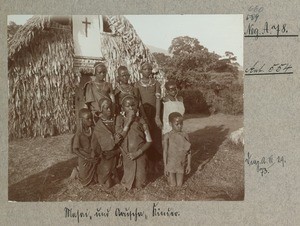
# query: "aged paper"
271,119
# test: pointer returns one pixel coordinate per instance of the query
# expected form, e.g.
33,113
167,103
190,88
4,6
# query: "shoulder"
119,119
185,135
108,84
137,84
87,84
166,99
180,98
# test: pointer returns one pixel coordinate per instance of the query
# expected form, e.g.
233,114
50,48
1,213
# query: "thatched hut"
45,78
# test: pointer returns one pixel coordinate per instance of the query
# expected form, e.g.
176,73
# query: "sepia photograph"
125,108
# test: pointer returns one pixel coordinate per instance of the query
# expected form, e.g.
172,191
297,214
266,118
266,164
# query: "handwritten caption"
265,163
129,213
266,28
259,68
256,27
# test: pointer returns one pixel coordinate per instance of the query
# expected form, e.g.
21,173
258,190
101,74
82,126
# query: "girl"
172,103
136,140
150,93
81,146
123,88
104,144
97,89
176,151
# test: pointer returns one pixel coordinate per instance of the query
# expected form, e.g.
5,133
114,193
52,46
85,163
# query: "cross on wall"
86,26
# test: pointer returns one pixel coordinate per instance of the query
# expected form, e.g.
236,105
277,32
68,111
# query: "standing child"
150,93
172,103
177,154
104,144
97,89
123,88
81,146
137,140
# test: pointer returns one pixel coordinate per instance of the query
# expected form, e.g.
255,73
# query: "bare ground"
39,168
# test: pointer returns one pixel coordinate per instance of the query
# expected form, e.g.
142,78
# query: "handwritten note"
263,165
258,27
129,213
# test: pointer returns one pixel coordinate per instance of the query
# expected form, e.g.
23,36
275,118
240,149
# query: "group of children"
122,127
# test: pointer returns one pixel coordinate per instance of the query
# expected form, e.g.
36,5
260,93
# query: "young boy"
176,151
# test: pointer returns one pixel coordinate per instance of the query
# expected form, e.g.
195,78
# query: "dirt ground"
39,168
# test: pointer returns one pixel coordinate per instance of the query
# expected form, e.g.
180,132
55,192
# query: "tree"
191,62
184,44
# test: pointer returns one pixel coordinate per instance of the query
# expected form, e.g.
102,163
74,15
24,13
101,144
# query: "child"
136,140
150,93
176,151
172,103
104,144
97,89
82,148
123,88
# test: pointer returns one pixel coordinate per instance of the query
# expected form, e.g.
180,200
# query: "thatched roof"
41,75
124,47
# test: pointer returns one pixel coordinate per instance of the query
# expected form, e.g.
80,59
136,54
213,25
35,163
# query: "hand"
118,138
158,122
134,155
188,169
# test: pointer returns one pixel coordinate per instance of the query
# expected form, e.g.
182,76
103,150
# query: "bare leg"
179,179
172,179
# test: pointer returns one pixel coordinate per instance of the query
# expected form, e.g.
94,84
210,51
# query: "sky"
218,32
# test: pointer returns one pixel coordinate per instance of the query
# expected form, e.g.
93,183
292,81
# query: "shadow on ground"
40,186
205,144
49,184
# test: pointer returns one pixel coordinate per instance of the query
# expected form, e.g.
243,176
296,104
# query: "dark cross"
86,24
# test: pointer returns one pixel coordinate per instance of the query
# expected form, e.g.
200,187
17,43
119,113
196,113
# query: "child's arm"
188,167
122,128
111,93
165,152
141,108
139,152
158,105
77,150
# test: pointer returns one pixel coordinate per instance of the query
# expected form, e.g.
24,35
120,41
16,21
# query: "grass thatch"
42,81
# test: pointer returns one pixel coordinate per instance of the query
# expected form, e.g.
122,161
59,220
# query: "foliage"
194,101
199,72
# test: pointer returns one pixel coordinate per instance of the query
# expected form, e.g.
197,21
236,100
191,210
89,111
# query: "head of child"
86,117
100,71
176,121
146,70
171,88
105,106
129,103
123,75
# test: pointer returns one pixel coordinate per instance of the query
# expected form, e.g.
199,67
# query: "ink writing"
130,213
265,163
264,29
259,68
